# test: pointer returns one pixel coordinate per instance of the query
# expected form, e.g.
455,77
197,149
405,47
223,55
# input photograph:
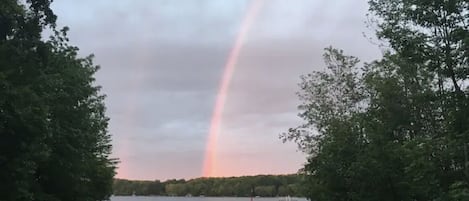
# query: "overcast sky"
162,60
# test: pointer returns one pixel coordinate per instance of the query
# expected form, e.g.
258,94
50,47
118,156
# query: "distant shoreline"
165,196
246,186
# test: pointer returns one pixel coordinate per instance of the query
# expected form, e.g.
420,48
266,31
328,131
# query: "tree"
232,186
177,189
398,129
432,32
332,102
265,191
431,38
155,188
55,144
327,97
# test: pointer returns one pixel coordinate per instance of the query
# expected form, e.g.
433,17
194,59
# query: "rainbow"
210,162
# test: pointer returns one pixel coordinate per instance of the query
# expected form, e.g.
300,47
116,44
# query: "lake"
163,198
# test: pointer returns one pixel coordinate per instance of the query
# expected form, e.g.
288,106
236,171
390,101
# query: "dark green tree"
431,40
332,102
55,144
231,186
265,191
155,188
398,130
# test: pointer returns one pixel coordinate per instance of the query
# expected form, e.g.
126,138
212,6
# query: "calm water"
162,198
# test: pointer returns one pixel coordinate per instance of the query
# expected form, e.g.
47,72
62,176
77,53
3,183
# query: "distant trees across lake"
261,185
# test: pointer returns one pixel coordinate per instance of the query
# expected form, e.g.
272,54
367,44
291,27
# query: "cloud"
163,165
161,63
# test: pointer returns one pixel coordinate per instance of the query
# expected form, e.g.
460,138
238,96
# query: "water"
163,198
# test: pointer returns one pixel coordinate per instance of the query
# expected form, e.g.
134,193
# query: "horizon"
162,105
203,177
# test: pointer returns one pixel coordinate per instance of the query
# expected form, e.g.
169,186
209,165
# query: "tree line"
246,186
397,128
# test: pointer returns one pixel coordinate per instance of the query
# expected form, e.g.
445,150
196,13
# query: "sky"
162,62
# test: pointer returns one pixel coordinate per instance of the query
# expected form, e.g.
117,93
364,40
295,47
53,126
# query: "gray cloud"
162,62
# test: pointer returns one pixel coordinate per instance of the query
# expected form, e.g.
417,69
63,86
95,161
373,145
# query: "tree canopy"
54,141
396,128
246,186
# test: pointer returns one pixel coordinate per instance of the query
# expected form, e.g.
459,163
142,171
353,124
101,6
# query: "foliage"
395,128
55,144
261,185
